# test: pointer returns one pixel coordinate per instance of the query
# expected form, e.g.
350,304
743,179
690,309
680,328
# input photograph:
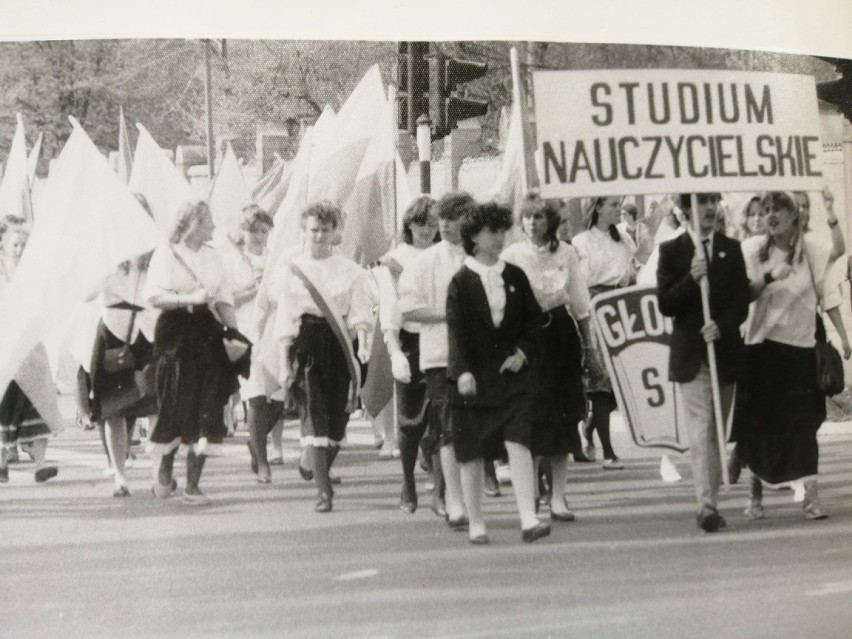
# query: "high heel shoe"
479,540
323,503
529,535
408,501
306,474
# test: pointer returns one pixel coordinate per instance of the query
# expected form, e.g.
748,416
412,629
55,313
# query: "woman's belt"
315,320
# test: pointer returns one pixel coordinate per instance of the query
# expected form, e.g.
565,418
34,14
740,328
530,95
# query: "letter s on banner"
638,362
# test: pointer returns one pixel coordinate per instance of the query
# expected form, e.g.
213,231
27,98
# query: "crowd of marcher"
492,349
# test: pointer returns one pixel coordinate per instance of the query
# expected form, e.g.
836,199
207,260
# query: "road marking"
831,588
358,574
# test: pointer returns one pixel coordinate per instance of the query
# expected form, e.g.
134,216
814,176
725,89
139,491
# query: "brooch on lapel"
722,253
511,288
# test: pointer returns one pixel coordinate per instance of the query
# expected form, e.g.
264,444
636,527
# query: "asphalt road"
258,562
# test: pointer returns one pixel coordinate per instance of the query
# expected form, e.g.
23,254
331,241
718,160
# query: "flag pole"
711,353
395,138
529,178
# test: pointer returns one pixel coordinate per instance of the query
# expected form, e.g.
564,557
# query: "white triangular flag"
87,224
156,178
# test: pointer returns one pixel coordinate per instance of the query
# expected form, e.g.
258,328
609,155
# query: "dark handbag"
135,397
119,359
829,365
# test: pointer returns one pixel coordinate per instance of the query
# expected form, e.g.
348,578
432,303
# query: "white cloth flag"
87,224
155,177
15,187
508,187
32,160
125,155
287,218
228,195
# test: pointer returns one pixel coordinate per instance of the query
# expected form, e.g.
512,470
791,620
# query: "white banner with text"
620,132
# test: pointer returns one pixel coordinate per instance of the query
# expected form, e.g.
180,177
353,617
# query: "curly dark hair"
533,204
490,215
417,213
684,200
254,216
454,205
325,211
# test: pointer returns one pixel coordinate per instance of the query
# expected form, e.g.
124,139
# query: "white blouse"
388,283
603,261
167,275
424,285
555,277
492,281
342,280
127,287
244,270
785,312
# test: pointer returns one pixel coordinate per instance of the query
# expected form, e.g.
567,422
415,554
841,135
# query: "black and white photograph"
469,320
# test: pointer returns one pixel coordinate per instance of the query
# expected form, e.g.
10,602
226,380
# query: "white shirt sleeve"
578,291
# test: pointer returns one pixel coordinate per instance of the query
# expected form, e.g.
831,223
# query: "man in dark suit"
684,262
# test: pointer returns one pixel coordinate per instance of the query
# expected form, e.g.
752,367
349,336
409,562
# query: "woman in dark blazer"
493,324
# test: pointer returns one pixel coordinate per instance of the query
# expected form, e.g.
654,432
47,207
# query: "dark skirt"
783,411
108,388
194,377
558,396
319,383
480,431
19,420
411,397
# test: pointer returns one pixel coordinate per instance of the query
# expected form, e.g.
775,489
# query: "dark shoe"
121,491
458,524
580,457
566,516
43,474
438,507
323,504
253,455
709,519
479,540
306,474
335,480
536,532
4,475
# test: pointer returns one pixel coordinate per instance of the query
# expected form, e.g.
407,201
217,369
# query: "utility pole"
208,106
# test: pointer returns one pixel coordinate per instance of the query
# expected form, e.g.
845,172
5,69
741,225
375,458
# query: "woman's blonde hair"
774,200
